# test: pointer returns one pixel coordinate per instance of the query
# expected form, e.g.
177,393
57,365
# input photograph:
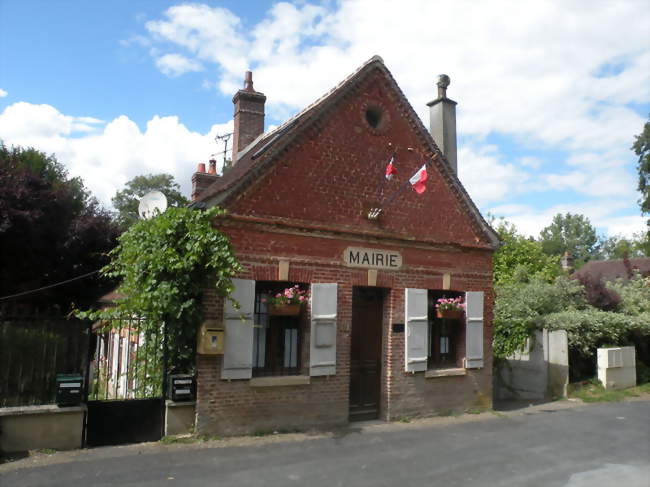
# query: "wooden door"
365,359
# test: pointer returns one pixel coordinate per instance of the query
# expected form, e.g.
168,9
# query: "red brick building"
300,202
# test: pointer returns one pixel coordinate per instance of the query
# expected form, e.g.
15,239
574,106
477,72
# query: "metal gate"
125,393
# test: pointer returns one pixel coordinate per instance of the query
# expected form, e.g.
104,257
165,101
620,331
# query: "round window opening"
374,117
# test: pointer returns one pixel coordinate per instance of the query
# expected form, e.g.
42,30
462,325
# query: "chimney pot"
201,167
248,81
213,167
443,83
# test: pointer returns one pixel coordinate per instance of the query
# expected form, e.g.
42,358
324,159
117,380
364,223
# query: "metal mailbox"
69,389
211,338
182,387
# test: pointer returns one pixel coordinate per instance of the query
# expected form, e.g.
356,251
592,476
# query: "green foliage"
126,201
634,294
641,148
520,259
591,328
521,308
163,265
51,230
573,234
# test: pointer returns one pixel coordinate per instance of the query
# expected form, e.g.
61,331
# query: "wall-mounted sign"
372,258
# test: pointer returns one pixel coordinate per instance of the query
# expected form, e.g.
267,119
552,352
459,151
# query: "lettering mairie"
372,258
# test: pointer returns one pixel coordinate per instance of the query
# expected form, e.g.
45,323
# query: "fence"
33,350
126,364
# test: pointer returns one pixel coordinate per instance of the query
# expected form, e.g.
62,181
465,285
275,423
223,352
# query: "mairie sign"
372,258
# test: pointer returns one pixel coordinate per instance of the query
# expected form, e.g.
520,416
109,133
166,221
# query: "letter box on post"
211,338
182,387
69,389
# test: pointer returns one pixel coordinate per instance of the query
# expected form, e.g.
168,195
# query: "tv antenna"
223,138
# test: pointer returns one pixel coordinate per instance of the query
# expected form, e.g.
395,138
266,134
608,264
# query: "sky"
550,94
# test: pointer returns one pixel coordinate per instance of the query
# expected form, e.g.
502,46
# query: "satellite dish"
152,204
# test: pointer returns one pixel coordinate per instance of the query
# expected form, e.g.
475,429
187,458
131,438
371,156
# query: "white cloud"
3,93
547,75
176,64
114,152
486,177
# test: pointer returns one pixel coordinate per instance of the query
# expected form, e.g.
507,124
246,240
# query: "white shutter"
417,329
322,346
474,330
238,343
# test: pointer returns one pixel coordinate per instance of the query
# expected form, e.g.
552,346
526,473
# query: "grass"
474,411
185,440
593,391
47,451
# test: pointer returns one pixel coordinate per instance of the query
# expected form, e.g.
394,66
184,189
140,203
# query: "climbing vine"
163,265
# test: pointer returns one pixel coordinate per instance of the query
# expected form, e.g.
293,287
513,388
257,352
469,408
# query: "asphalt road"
587,445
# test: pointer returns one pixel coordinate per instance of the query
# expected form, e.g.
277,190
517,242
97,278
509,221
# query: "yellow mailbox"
210,338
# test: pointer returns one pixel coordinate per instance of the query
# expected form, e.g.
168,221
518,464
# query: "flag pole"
374,213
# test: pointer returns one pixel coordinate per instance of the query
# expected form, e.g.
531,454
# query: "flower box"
450,314
284,309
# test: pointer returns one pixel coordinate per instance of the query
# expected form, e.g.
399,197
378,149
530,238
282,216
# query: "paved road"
587,445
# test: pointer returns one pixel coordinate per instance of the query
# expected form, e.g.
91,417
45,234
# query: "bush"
521,308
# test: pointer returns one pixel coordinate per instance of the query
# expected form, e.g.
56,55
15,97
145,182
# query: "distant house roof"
610,270
267,147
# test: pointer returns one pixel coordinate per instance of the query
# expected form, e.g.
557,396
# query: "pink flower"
264,300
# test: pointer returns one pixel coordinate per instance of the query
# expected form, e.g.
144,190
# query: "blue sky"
550,96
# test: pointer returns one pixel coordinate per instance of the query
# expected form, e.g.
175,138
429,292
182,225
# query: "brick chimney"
249,116
201,179
442,119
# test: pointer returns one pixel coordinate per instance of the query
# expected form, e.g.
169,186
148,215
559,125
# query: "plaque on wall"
372,258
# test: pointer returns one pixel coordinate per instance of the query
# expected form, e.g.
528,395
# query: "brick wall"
234,407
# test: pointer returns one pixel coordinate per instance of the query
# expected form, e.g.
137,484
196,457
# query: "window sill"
433,373
279,381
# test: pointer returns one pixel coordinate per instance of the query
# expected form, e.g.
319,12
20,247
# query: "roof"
610,270
267,147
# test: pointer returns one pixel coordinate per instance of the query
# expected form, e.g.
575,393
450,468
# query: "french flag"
390,169
418,180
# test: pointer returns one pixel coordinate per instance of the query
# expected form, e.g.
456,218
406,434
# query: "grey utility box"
69,389
182,387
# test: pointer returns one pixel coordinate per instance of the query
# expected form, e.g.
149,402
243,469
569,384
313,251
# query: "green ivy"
163,265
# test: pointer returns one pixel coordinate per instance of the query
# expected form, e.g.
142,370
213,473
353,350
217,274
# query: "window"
446,336
277,340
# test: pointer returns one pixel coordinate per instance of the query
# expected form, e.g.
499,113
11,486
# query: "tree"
619,247
163,265
520,259
573,234
126,201
641,148
51,230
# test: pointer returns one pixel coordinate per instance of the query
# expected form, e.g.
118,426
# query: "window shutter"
417,329
474,330
322,346
238,345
